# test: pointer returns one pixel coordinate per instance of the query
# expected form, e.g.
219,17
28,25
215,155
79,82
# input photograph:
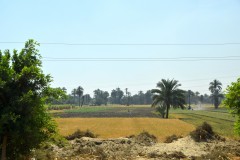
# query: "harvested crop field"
122,127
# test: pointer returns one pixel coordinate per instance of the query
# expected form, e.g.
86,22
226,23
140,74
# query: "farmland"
121,121
110,111
122,127
221,121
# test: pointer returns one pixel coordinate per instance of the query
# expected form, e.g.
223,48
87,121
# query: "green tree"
116,96
141,97
61,92
100,97
190,94
74,95
215,88
105,96
79,92
168,95
148,97
201,99
87,99
24,89
232,100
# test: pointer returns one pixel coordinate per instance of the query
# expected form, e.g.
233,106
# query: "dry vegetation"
122,127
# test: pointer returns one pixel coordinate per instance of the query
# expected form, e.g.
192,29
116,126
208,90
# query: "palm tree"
168,95
190,94
215,88
215,85
79,92
74,95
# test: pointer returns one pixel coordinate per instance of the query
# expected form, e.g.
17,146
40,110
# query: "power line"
223,58
128,44
142,60
154,83
146,57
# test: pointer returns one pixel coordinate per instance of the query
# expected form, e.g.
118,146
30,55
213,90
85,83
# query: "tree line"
124,97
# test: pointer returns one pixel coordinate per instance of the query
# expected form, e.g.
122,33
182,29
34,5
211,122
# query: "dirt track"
113,112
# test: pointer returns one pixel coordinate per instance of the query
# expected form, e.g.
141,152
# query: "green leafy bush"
232,101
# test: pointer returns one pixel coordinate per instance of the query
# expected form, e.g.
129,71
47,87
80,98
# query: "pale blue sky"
128,21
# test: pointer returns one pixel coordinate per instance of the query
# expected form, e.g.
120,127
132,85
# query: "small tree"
24,89
233,102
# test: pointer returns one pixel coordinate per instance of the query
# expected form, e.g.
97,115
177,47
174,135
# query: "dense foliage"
100,97
24,89
233,102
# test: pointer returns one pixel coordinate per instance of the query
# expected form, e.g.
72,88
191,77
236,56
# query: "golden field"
122,127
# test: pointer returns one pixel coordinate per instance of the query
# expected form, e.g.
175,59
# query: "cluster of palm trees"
169,95
78,92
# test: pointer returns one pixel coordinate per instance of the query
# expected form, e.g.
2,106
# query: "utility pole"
189,99
127,96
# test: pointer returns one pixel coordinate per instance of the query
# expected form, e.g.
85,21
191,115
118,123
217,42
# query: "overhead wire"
127,44
219,58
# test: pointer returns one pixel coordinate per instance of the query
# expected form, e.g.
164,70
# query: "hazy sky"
128,22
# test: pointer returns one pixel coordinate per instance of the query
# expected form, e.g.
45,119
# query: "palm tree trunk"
82,101
74,100
79,100
4,147
168,106
216,102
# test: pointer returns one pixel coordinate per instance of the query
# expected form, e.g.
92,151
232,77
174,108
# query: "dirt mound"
108,149
204,133
80,134
144,138
172,138
136,148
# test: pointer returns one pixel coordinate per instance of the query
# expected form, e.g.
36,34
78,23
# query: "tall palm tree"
168,95
215,85
79,92
190,94
74,95
215,88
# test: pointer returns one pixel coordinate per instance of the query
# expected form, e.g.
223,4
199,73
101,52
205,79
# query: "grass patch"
221,121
